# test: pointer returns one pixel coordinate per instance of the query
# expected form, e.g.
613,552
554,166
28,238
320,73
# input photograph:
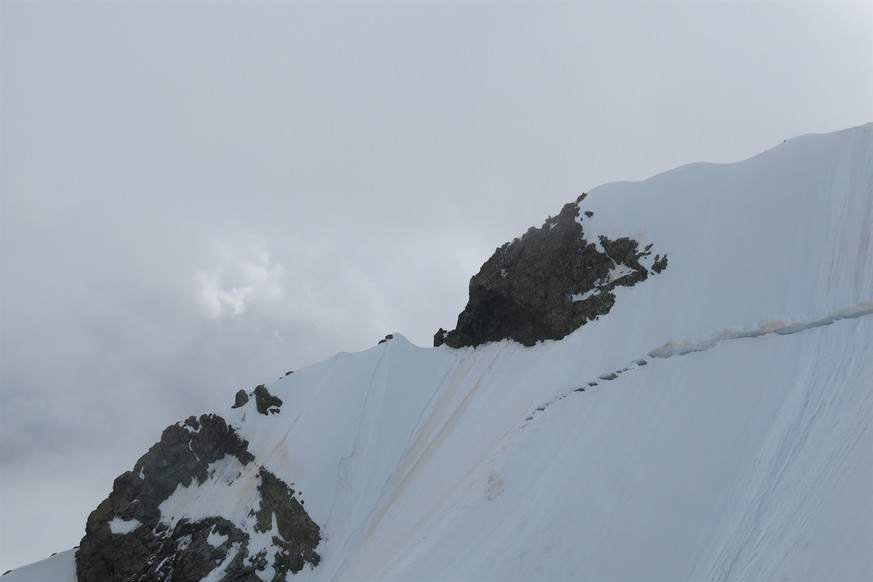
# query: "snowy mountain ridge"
715,423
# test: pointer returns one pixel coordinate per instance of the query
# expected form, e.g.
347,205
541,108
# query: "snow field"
703,466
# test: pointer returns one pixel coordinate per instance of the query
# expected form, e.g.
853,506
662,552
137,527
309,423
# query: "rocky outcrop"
297,533
143,532
265,402
548,283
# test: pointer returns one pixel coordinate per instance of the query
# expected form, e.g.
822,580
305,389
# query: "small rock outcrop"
241,399
144,530
548,283
265,402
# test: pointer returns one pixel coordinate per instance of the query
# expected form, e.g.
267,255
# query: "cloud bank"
198,198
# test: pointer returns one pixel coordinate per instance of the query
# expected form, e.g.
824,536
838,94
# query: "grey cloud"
336,170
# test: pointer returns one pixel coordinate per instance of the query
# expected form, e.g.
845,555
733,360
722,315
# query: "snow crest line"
680,348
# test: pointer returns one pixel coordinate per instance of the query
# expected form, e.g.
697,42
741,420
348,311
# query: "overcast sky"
198,197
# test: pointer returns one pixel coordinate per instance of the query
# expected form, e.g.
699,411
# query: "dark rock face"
241,398
266,402
298,535
547,283
127,538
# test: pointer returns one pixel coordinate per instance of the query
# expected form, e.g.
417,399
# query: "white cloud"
243,274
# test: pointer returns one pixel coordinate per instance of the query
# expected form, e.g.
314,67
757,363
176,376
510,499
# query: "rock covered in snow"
151,528
548,283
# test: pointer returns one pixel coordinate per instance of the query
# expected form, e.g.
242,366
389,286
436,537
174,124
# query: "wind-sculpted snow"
616,453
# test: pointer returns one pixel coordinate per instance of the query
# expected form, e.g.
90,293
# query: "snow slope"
59,568
727,436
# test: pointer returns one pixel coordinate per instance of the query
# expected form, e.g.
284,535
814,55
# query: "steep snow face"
715,425
60,567
744,455
786,234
